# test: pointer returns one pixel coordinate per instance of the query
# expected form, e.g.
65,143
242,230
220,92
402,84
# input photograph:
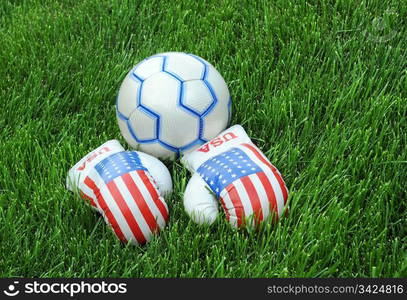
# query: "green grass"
320,86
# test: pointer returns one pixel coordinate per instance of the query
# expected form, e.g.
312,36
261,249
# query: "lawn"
320,86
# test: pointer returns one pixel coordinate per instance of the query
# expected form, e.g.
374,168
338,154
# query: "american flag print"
122,190
246,184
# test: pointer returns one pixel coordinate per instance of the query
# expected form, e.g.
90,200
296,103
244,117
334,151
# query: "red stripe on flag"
237,203
253,197
269,191
91,184
222,202
154,194
128,216
86,197
140,201
272,168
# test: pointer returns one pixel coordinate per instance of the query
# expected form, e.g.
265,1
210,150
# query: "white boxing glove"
126,187
232,170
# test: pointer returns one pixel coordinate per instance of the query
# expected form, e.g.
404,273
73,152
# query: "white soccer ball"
171,103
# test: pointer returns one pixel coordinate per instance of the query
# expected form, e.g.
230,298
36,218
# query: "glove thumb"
199,202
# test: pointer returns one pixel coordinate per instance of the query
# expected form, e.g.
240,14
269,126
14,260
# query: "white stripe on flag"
135,210
261,192
266,159
277,192
88,191
147,197
114,208
229,207
244,198
273,180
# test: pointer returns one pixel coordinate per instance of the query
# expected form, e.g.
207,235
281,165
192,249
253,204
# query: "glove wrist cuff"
83,166
226,140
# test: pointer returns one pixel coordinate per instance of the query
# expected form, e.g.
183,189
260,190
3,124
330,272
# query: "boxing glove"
231,170
126,187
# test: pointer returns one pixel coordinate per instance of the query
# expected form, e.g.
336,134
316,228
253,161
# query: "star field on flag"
118,164
223,169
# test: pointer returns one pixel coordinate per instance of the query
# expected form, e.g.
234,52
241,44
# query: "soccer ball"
171,103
